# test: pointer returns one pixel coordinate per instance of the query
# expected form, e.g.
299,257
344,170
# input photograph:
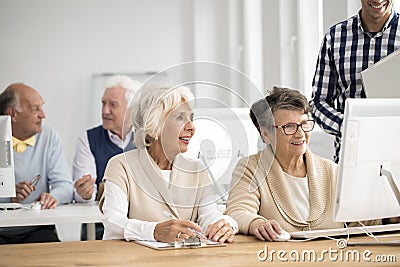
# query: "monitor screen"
222,137
369,164
7,180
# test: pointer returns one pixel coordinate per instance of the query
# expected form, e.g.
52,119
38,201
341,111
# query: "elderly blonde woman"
144,187
286,186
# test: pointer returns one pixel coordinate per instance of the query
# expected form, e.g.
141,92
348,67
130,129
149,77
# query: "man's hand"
47,201
85,186
23,190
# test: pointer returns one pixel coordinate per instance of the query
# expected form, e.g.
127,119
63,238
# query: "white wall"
292,35
271,44
56,46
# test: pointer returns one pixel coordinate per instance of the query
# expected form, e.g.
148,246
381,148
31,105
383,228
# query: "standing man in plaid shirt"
348,48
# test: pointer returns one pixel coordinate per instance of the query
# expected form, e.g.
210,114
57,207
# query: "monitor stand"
218,187
392,184
396,192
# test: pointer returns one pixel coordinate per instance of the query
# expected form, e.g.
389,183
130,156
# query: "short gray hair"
10,98
262,111
130,86
153,102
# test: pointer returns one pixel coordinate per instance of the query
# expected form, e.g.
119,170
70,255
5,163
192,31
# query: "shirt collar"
30,141
393,14
118,141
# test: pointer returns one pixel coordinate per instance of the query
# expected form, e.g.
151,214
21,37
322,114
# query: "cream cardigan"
148,194
259,190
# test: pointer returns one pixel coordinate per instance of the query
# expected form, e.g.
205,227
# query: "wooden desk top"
241,253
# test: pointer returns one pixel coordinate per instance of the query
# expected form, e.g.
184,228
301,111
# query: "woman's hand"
174,230
265,229
220,231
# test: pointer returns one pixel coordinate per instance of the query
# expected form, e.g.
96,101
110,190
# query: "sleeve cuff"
148,231
231,222
139,230
78,197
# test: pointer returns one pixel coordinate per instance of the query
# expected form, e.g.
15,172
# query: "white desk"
67,218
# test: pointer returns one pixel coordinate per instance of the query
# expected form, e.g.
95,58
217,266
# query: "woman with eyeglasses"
285,187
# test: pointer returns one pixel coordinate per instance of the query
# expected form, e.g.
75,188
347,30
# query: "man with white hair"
97,145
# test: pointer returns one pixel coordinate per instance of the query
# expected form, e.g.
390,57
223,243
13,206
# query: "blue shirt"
46,158
346,50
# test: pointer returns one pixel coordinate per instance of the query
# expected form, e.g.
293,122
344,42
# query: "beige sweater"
259,190
148,194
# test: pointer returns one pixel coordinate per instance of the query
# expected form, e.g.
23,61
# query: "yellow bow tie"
21,146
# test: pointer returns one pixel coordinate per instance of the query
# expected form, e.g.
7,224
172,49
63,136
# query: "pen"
169,215
33,204
35,180
198,233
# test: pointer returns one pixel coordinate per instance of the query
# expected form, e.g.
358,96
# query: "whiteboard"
99,81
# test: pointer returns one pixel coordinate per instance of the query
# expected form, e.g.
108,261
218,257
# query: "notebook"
345,231
382,79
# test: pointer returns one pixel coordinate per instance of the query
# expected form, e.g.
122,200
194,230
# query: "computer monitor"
7,178
222,137
369,164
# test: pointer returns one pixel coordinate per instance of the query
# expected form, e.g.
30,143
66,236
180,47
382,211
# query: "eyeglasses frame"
298,125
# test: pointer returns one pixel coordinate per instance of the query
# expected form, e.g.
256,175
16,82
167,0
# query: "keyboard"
10,206
345,231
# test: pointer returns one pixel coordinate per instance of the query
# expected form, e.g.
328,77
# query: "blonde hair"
151,107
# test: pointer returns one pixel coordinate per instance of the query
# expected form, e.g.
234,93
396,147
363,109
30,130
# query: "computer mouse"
36,205
284,236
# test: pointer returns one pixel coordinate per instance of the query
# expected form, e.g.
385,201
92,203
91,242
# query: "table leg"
91,231
68,232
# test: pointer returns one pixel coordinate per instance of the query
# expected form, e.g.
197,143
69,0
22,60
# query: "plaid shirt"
346,50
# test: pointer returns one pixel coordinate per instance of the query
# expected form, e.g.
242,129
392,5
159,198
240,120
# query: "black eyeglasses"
291,127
